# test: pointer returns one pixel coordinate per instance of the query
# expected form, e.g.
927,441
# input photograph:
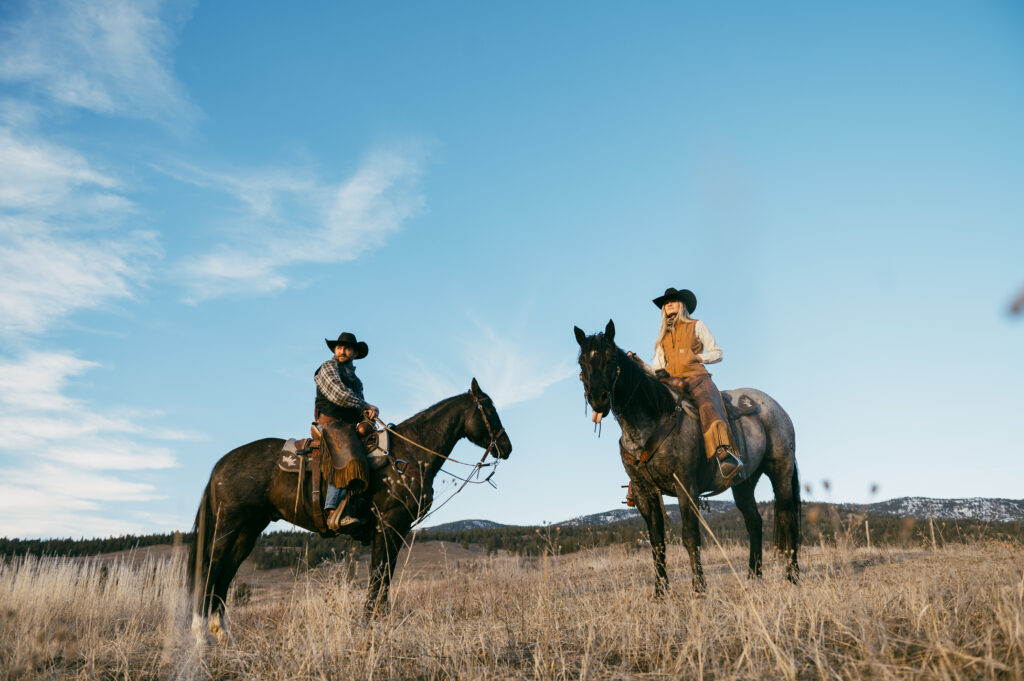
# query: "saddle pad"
290,460
744,406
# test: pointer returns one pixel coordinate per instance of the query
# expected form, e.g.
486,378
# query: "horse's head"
483,427
599,368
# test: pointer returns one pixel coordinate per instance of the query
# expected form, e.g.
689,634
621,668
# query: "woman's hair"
684,313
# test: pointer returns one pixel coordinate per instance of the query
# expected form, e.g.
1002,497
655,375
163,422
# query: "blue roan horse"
643,406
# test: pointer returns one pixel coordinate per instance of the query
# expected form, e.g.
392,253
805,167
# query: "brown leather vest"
681,347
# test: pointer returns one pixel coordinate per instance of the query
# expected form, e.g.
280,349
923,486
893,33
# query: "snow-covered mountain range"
977,508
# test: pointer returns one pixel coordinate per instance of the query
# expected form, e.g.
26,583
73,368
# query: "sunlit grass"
952,613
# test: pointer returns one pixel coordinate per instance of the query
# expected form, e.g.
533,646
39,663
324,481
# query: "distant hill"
715,507
465,525
976,508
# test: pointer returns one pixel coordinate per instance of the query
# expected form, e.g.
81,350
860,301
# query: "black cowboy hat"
685,297
362,349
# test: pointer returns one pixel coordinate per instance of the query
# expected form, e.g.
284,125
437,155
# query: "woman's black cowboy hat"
685,297
362,349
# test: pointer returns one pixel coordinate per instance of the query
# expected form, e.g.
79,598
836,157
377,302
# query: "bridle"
610,388
490,449
487,423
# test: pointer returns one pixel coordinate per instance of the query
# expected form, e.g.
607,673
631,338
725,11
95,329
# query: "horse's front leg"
650,508
691,532
387,542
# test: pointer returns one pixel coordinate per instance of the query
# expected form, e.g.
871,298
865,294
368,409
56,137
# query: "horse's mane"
641,389
430,412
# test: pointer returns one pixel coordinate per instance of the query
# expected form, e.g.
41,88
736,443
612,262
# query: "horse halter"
487,422
610,388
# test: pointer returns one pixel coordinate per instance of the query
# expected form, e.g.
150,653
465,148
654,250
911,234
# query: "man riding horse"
683,347
339,408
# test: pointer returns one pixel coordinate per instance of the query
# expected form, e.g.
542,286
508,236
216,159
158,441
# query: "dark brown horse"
247,491
642,404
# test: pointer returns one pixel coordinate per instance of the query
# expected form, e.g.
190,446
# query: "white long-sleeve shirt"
712,354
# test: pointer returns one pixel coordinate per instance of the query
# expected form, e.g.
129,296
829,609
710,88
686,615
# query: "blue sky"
192,196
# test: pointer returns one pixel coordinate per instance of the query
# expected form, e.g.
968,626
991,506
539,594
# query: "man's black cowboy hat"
685,297
362,349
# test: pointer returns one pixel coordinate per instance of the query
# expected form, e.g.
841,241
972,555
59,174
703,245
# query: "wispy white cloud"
107,56
508,367
31,510
37,381
511,369
47,273
63,452
325,223
47,178
59,251
38,417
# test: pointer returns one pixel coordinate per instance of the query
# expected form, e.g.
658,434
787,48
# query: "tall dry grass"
952,613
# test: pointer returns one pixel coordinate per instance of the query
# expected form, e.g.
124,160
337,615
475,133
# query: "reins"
490,433
427,449
477,467
492,448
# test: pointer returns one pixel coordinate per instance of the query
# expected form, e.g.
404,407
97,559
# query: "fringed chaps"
346,466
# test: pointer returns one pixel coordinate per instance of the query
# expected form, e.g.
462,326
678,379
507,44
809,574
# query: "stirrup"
736,467
338,520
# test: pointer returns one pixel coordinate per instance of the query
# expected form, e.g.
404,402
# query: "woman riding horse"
683,347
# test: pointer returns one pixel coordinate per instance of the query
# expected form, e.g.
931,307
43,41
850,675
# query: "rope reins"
490,433
477,467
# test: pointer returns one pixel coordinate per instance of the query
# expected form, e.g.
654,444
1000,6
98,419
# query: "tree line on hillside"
820,523
11,548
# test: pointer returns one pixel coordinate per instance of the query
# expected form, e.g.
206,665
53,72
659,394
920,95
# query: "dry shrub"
952,613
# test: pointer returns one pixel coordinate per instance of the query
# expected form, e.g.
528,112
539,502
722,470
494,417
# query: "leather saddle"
304,454
744,407
303,457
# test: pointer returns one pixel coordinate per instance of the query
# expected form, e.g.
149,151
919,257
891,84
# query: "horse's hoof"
219,630
793,574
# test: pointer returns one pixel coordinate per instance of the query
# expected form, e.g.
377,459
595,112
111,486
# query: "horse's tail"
199,549
787,517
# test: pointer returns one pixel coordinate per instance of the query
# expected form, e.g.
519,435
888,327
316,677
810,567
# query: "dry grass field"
952,613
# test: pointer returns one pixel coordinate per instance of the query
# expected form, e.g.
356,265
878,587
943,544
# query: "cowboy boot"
338,518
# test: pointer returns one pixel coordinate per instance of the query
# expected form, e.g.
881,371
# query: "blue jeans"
334,497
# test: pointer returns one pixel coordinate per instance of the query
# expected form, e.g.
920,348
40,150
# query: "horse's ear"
609,331
474,387
580,336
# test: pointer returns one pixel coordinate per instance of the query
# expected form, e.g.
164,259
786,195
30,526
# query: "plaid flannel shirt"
328,379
